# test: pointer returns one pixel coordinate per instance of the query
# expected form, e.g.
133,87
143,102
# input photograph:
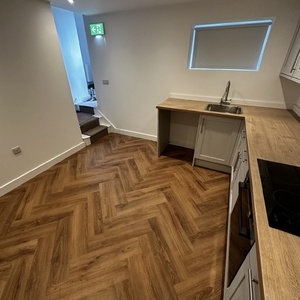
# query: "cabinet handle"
236,162
250,284
295,62
250,280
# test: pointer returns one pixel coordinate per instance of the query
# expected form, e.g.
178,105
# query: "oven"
241,230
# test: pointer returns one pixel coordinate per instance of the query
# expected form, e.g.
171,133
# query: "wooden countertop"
272,134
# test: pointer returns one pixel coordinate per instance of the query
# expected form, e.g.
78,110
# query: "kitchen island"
272,134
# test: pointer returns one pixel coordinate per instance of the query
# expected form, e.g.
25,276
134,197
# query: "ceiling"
94,7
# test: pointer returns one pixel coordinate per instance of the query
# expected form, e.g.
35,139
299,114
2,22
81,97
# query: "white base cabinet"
239,288
216,140
255,277
239,166
245,285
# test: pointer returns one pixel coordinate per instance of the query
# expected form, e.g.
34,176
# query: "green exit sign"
97,29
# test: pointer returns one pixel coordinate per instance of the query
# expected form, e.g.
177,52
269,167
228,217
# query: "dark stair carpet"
83,117
89,125
86,109
97,133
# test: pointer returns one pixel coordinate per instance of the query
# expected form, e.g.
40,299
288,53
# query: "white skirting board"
112,128
39,169
136,134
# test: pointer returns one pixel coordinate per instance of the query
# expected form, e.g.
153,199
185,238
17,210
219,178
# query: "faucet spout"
224,99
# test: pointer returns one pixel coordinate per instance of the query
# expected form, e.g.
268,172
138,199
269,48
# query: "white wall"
65,22
145,55
83,46
37,112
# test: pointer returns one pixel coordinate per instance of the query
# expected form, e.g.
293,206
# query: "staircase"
90,127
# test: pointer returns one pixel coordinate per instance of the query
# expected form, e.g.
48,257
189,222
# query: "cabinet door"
237,160
239,288
254,275
244,154
289,66
296,74
216,139
237,174
245,285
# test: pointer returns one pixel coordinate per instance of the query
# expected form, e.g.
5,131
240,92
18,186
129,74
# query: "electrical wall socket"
105,81
16,150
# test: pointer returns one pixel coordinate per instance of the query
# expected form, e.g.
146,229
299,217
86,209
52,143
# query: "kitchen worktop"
272,134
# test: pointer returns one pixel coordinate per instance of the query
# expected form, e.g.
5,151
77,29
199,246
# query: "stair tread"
86,109
83,117
89,124
95,130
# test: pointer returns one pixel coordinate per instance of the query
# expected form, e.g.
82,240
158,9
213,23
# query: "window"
237,46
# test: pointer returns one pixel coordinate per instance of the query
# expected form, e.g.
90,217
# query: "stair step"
89,124
86,109
97,132
83,117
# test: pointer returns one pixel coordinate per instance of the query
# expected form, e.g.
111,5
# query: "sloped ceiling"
94,7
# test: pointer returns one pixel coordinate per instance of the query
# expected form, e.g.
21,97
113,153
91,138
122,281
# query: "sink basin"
224,108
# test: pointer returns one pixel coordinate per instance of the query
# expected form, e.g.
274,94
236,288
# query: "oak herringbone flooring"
114,221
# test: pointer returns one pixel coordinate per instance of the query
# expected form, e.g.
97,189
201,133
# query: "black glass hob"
281,188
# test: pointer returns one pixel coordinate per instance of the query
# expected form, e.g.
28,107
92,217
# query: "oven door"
241,230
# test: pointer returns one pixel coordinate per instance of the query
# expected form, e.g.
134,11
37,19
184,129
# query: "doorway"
72,37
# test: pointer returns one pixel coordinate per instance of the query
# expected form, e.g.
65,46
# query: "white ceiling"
93,7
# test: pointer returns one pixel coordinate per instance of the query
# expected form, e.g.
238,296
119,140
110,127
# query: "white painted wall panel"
145,57
37,112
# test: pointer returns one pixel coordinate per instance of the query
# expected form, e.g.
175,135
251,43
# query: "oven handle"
243,230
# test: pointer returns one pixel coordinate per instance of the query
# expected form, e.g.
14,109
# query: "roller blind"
229,46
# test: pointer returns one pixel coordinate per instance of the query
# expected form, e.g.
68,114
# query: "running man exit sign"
97,29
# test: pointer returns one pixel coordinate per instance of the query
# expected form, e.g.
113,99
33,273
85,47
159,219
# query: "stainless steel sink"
224,108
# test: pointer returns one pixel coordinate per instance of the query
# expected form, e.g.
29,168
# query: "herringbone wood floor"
115,222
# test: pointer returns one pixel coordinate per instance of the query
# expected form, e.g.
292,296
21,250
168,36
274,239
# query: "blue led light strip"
255,22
